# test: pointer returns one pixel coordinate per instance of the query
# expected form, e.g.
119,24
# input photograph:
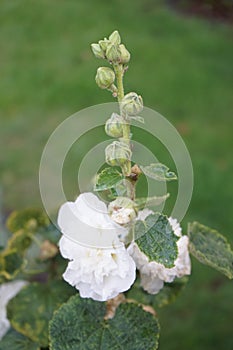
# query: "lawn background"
183,68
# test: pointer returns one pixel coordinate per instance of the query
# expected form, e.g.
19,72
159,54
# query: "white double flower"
98,273
106,268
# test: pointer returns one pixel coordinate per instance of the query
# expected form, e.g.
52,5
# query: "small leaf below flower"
159,172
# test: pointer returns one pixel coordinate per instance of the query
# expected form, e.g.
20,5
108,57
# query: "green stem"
119,71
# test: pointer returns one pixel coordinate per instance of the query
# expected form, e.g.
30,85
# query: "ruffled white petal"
100,274
7,292
87,222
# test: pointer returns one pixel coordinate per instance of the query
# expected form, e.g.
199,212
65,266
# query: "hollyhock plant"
96,280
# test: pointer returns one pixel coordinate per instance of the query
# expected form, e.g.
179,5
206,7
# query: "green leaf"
29,219
159,172
156,239
80,324
31,310
166,296
150,201
107,179
11,262
210,248
16,341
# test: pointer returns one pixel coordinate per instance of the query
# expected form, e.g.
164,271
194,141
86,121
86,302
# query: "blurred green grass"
183,68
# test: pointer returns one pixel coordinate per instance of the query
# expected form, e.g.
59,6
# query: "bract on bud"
115,38
117,154
104,44
113,53
104,77
121,210
97,51
113,126
132,103
125,55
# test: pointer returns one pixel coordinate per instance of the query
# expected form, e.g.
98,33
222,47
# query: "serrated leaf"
107,179
19,240
159,172
16,341
11,262
32,308
210,248
29,219
80,324
150,201
156,239
166,296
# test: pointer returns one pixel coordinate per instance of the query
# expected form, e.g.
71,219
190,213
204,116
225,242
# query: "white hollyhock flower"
7,292
97,273
153,274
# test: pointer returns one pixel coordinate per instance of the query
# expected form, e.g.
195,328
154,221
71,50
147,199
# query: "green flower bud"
122,211
113,126
104,77
113,53
97,51
117,154
104,44
132,104
125,55
115,38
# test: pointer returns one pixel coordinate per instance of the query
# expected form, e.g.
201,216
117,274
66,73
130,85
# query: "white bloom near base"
7,292
153,275
86,221
100,274
97,273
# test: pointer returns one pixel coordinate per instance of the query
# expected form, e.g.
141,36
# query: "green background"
183,68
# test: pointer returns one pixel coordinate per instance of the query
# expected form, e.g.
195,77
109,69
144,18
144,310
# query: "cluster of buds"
112,49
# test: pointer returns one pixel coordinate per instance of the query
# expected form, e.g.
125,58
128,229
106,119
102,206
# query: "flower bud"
125,55
97,51
104,44
122,210
113,126
132,104
115,38
117,153
113,53
104,77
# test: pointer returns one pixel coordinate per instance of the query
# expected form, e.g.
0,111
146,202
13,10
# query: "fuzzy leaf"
31,310
80,324
159,172
210,248
16,341
107,179
11,263
150,201
156,239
